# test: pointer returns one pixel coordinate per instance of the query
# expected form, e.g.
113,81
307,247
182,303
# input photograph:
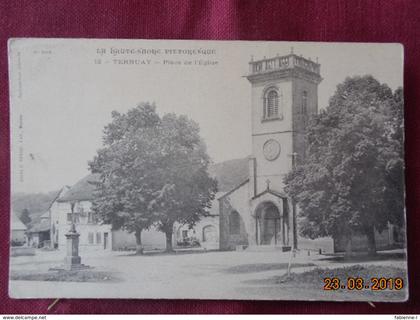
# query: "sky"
63,93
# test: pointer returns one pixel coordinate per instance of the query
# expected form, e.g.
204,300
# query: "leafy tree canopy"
154,170
351,179
25,217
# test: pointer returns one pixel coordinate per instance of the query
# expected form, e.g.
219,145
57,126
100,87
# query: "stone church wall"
238,201
277,129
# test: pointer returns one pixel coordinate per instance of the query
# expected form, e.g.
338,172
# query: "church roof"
234,189
230,173
270,191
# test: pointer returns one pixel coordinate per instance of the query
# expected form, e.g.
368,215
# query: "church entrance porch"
270,225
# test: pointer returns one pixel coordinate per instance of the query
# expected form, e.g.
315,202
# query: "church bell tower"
284,95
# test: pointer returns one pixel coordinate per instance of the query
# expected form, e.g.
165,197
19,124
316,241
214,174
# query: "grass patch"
259,267
66,276
316,277
310,284
364,257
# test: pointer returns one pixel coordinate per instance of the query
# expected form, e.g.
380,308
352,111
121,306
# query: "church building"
257,212
251,210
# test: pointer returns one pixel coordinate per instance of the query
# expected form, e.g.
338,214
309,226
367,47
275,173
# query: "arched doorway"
209,233
269,226
210,239
234,223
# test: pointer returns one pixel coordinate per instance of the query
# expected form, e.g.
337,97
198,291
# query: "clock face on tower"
271,149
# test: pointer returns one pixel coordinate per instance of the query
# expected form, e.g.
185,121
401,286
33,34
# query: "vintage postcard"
207,170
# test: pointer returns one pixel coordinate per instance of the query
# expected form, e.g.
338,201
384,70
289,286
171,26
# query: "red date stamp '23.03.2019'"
357,283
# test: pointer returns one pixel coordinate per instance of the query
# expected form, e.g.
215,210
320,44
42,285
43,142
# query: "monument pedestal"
72,258
72,261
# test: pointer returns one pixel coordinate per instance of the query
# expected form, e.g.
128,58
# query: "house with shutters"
95,235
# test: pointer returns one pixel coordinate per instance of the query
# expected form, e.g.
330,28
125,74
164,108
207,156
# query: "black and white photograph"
186,169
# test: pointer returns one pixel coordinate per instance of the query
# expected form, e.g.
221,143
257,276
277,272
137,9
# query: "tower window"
271,104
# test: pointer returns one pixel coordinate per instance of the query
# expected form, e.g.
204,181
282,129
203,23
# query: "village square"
156,218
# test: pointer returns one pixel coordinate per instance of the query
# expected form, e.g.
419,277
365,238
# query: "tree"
25,217
185,187
394,191
351,179
153,171
124,162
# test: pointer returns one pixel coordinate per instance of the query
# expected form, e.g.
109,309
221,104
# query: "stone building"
77,199
205,233
257,212
39,234
95,235
17,230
